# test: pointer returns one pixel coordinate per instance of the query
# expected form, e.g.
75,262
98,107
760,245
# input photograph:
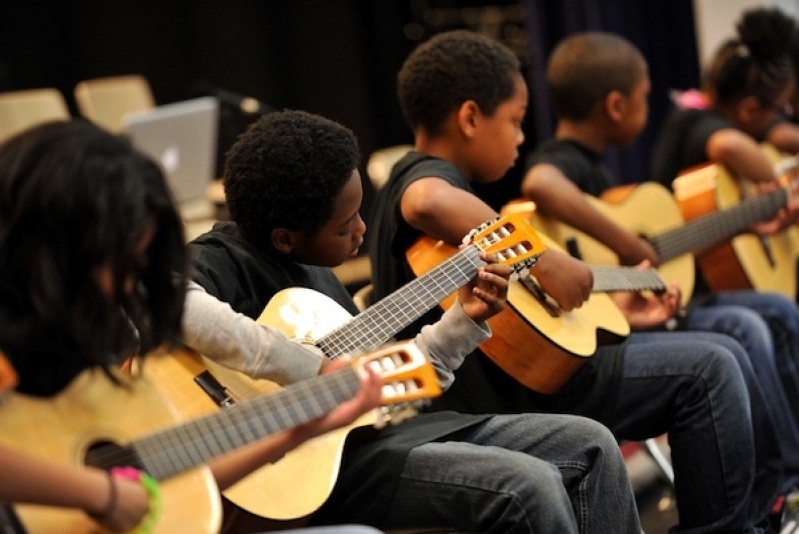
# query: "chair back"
106,101
20,110
379,165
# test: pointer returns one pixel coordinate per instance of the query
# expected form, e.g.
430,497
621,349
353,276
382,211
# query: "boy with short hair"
465,98
613,111
294,191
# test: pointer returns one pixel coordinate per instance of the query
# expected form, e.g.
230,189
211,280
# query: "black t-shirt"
389,235
681,146
682,142
234,269
577,162
480,385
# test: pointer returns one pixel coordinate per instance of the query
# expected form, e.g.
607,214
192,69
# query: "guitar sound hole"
105,454
573,248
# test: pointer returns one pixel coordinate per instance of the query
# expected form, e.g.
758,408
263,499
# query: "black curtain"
663,31
338,58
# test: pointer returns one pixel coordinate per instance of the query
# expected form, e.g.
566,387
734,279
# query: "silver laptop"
182,137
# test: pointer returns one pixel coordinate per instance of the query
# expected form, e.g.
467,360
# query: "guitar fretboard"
719,226
169,452
378,323
608,279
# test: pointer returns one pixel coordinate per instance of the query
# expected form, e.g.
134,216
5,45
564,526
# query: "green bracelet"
156,504
156,500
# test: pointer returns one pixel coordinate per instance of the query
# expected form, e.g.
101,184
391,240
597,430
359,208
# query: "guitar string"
167,452
388,316
613,278
378,323
718,226
246,422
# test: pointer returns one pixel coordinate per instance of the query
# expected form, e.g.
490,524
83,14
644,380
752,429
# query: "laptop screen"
182,137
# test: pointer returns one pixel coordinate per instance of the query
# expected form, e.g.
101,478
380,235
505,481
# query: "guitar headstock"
408,379
512,239
787,171
786,167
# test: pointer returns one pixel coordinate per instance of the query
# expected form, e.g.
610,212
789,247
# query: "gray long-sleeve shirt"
236,341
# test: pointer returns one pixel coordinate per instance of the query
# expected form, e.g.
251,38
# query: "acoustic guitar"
706,219
297,485
96,422
535,341
712,196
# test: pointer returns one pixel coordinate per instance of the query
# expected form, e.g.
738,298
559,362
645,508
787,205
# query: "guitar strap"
9,522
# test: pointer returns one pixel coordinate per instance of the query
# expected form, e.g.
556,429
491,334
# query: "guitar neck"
613,279
378,323
719,226
178,449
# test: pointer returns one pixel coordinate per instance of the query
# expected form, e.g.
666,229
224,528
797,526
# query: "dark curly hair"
756,63
451,68
75,199
584,68
286,171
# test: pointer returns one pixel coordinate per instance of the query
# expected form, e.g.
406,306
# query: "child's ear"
746,109
615,104
282,240
467,116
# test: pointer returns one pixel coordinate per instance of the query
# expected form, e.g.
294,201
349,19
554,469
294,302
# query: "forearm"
741,155
212,328
447,342
591,222
785,137
31,480
559,198
232,467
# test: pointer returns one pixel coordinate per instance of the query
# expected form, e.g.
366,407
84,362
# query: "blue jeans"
695,386
691,385
525,473
767,326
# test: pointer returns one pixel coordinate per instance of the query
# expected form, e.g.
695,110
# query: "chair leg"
653,449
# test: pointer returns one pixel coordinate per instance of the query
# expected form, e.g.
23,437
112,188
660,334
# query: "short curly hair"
286,171
451,68
584,68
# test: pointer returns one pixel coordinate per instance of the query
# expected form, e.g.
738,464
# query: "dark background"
338,58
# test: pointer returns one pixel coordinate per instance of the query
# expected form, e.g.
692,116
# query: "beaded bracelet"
151,485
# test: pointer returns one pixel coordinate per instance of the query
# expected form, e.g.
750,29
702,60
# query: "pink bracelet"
131,473
151,485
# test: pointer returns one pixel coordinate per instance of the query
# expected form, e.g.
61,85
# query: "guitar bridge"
218,393
550,306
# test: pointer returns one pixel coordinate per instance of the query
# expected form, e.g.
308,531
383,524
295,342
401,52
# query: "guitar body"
63,428
533,341
646,209
303,479
748,261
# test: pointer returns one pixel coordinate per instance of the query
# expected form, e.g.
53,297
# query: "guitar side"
62,428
